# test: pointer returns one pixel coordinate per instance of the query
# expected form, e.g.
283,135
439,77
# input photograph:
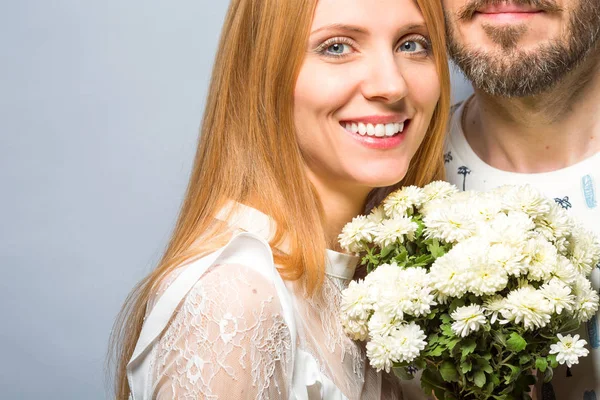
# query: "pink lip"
507,8
377,119
507,12
380,143
508,17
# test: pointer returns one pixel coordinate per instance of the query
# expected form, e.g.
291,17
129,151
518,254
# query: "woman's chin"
382,180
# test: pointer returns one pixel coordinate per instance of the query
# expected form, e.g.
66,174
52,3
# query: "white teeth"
390,129
370,130
362,129
378,130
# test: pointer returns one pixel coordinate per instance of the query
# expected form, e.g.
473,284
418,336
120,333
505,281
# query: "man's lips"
510,9
507,8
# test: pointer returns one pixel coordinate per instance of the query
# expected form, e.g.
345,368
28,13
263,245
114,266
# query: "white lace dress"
228,327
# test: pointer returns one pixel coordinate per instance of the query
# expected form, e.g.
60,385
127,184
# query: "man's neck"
542,133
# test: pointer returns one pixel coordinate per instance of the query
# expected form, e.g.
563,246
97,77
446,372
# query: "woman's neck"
341,202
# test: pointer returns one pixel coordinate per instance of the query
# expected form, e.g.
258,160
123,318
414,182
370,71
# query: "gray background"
100,103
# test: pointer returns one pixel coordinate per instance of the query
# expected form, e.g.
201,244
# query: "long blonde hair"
248,151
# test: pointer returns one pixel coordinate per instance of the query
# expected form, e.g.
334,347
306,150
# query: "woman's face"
366,92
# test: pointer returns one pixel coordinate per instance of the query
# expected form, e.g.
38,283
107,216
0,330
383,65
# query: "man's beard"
516,73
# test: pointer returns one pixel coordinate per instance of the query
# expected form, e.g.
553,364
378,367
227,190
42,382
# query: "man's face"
518,48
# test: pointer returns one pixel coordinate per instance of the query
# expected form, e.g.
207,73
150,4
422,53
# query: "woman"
315,108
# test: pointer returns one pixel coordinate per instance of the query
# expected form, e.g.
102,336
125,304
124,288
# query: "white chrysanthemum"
492,306
377,215
385,273
485,279
410,341
465,197
430,206
399,202
584,250
382,352
409,293
378,282
562,245
586,299
415,285
422,302
559,295
450,224
438,190
555,224
449,274
392,301
356,329
382,324
383,293
541,258
484,206
395,230
526,199
356,303
467,319
507,257
511,229
357,234
501,191
404,344
527,306
568,349
565,271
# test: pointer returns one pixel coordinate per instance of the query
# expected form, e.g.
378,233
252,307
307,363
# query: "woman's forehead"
369,15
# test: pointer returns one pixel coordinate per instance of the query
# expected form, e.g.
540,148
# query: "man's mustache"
469,10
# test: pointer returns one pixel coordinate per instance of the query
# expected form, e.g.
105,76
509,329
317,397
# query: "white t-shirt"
576,189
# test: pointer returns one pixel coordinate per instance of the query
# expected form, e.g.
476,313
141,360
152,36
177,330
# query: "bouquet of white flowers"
477,289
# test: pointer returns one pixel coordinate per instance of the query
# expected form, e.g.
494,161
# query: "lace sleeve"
228,340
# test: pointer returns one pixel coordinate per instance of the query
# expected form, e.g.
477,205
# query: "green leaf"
446,319
489,388
435,352
386,251
447,330
514,374
524,359
541,363
449,372
435,249
468,346
466,366
548,375
452,343
402,373
516,343
479,378
420,363
552,360
484,365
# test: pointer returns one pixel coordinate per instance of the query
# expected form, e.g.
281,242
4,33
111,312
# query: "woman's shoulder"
244,265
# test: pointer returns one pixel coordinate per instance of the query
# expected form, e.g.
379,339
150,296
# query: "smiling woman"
307,121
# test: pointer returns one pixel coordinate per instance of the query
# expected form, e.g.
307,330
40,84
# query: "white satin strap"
241,249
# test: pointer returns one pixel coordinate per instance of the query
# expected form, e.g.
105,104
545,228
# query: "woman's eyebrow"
341,27
415,27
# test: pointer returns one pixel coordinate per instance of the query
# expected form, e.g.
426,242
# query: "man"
534,118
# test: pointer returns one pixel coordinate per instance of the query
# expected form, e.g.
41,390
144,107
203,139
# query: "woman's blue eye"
337,48
412,46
